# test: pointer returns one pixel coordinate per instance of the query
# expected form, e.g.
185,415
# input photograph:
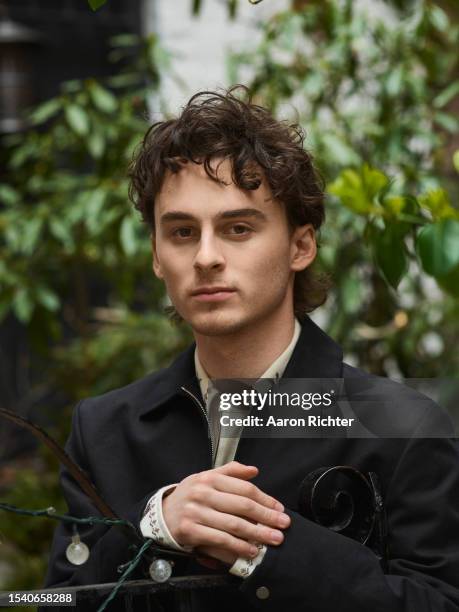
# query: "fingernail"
253,551
279,507
276,536
284,520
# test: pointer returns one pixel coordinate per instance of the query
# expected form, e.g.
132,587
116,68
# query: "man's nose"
208,256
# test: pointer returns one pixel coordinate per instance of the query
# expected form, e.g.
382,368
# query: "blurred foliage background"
378,96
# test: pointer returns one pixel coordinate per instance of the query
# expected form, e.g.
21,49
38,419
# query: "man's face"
226,255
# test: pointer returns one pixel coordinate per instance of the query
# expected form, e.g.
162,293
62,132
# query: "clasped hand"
220,514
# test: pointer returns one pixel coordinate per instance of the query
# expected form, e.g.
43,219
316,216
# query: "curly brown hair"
229,126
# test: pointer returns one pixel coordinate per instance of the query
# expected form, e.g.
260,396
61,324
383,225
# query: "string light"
78,553
131,567
160,570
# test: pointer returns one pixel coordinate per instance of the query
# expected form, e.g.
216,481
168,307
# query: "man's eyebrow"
242,212
178,215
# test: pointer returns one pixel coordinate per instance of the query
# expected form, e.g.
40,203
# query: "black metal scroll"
349,503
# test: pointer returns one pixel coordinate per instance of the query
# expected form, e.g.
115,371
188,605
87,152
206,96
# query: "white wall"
201,43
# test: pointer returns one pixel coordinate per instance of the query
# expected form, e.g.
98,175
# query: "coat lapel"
315,355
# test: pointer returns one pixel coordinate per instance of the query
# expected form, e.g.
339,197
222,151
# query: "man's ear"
156,264
303,249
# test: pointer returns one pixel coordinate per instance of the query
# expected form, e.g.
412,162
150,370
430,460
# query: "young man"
233,204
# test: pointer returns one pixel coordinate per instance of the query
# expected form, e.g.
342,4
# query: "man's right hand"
219,509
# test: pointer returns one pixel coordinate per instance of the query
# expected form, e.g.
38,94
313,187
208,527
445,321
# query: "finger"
238,470
247,508
201,535
239,527
229,484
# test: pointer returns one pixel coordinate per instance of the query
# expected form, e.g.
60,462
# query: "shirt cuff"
153,524
244,567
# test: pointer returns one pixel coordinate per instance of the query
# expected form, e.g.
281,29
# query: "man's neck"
247,353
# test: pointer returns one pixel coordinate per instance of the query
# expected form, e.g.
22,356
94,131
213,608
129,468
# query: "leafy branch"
401,226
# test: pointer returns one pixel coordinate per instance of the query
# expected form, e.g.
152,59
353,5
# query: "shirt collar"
315,355
275,370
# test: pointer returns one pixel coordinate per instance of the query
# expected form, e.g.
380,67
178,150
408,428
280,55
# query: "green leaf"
22,305
94,203
232,8
103,99
437,246
345,187
389,252
374,180
13,237
456,160
96,144
95,4
22,154
439,18
45,111
61,230
77,119
313,84
124,40
47,298
351,294
446,95
196,7
30,233
394,204
128,236
395,81
447,121
159,57
438,203
72,86
339,150
357,190
8,195
7,277
450,282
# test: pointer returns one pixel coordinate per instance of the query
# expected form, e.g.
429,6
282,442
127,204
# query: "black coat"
133,440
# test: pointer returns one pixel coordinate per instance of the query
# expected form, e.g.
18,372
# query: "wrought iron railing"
90,595
340,498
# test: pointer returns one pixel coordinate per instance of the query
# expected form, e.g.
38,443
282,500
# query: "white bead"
160,570
77,552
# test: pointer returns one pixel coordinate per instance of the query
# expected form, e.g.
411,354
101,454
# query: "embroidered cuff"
244,567
153,524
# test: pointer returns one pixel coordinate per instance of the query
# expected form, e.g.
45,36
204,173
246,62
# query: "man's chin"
216,324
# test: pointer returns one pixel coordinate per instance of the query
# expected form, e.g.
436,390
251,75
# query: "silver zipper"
203,410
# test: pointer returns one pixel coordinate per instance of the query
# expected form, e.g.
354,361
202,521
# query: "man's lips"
213,294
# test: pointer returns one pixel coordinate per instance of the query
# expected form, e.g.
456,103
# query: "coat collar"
315,355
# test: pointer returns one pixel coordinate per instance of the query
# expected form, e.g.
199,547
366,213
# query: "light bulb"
160,570
77,552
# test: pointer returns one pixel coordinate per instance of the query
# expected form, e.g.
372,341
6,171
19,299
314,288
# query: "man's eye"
182,232
239,229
